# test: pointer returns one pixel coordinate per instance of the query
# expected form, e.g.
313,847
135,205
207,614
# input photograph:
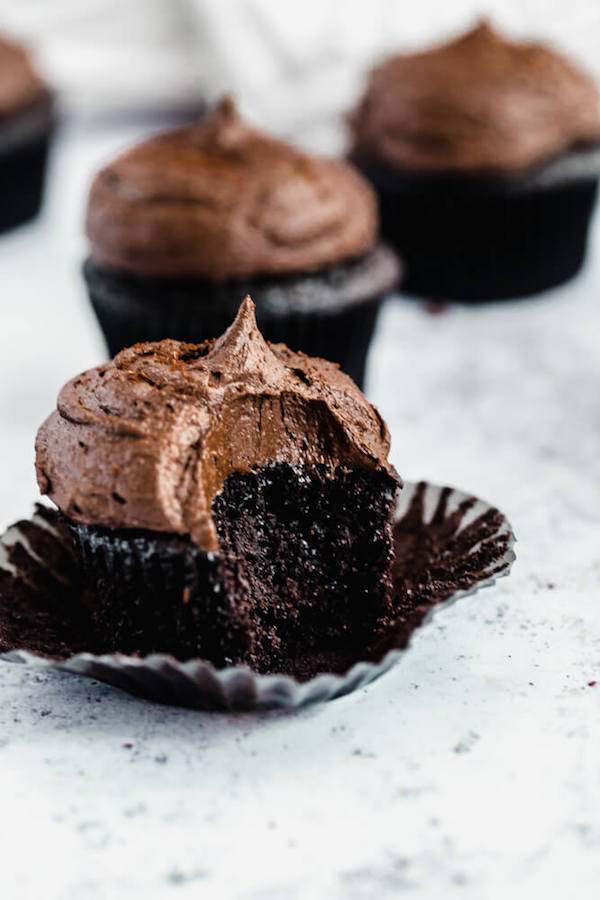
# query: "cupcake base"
302,566
329,314
447,544
24,146
478,238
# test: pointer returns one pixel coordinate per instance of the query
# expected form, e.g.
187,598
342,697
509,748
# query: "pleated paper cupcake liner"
447,544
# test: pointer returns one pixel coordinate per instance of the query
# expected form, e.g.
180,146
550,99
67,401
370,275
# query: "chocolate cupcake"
26,122
186,223
230,500
485,156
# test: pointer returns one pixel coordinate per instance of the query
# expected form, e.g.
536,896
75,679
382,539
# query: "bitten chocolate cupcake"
26,123
186,223
485,156
230,500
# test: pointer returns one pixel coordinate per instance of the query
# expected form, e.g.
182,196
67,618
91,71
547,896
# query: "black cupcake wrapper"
476,238
331,314
156,590
448,545
22,174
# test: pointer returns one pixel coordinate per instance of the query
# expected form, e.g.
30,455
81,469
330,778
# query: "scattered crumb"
467,743
127,746
436,307
550,586
366,754
591,684
176,876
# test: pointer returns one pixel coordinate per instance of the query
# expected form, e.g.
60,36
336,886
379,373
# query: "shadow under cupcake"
485,154
183,225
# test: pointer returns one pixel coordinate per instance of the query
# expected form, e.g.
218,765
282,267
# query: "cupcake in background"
26,123
485,155
185,223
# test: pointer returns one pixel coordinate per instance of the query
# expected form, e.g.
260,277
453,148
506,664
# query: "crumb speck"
467,743
436,307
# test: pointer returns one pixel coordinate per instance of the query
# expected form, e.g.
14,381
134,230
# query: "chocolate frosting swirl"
218,200
480,102
20,85
147,440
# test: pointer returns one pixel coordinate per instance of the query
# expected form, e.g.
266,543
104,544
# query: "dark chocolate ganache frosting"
219,200
20,85
480,102
148,439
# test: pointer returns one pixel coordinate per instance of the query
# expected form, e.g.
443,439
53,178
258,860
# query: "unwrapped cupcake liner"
447,545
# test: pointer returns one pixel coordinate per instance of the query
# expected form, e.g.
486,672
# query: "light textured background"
294,65
471,770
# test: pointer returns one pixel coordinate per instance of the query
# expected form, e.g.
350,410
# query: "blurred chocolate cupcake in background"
485,156
26,124
185,223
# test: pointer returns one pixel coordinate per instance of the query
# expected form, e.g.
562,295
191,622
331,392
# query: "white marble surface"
471,770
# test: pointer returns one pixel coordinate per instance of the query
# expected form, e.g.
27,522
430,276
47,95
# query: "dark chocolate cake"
231,500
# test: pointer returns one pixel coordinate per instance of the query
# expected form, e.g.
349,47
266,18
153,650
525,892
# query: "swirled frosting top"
219,200
148,439
478,103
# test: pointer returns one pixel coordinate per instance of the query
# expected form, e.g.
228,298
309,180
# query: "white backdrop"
469,771
294,64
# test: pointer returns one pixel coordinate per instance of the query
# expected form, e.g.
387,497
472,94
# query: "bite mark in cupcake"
231,500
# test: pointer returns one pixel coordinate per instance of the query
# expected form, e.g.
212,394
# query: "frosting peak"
482,32
148,439
477,103
221,201
224,130
242,350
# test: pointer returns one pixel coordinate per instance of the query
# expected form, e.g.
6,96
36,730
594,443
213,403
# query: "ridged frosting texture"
148,439
20,85
219,200
480,102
